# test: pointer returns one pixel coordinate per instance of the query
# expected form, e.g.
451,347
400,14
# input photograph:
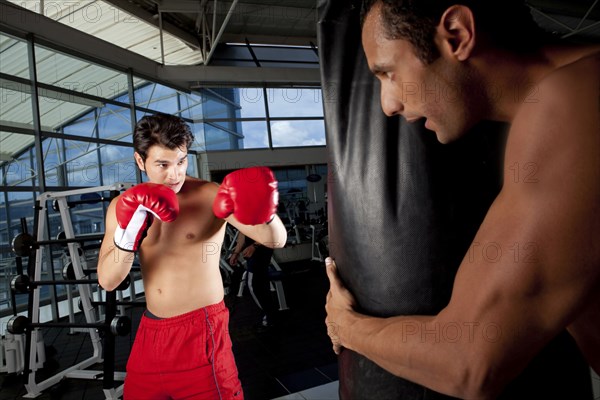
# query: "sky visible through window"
283,103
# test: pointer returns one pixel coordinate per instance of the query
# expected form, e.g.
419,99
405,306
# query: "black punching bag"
403,210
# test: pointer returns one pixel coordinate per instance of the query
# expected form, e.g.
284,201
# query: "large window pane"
84,126
252,101
232,125
11,144
87,218
255,135
298,133
54,167
117,164
198,131
21,171
191,106
221,103
114,123
58,109
157,97
68,72
192,169
13,56
82,163
15,104
217,138
295,102
20,206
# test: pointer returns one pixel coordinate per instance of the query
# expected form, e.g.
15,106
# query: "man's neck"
511,79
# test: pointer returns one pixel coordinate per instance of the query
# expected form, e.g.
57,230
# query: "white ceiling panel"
104,21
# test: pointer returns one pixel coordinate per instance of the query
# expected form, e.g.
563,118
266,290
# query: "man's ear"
456,32
139,161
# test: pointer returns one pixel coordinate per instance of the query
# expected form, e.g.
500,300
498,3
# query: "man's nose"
391,103
173,172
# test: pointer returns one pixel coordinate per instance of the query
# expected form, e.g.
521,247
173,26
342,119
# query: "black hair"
161,129
507,24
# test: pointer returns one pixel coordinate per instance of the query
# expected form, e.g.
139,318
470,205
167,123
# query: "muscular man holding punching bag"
453,282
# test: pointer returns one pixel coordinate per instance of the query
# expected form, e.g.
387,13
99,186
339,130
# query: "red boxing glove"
249,194
135,209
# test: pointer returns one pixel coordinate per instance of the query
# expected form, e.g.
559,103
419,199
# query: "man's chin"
445,138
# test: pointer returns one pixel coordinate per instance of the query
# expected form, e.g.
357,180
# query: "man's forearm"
114,265
417,348
272,234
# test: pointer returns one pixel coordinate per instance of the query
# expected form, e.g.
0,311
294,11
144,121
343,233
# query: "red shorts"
188,356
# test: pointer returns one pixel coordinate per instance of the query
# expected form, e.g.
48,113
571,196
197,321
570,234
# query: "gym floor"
292,357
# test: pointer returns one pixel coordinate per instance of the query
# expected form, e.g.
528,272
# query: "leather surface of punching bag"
403,211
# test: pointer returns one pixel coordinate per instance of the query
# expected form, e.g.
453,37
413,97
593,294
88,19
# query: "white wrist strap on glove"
130,237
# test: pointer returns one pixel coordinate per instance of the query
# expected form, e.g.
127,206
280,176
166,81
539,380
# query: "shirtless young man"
182,348
455,67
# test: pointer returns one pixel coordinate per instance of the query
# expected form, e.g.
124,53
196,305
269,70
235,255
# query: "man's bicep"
522,280
537,248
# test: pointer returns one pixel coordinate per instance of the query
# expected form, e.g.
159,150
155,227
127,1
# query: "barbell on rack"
24,243
85,198
117,303
22,283
120,325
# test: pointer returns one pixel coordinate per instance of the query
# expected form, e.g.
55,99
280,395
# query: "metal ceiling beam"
279,40
231,76
132,8
215,40
183,6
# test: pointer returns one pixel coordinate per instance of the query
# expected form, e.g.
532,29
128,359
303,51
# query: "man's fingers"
331,270
336,349
329,263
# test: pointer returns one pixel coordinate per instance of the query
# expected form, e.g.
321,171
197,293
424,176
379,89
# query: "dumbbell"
120,325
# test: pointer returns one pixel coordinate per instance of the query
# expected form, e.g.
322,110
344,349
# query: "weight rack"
78,371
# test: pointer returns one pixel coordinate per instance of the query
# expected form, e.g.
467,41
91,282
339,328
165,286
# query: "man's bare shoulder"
571,84
563,109
553,148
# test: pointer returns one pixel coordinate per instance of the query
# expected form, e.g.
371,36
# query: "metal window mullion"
100,175
178,97
268,118
252,54
160,33
63,161
37,127
132,108
37,124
